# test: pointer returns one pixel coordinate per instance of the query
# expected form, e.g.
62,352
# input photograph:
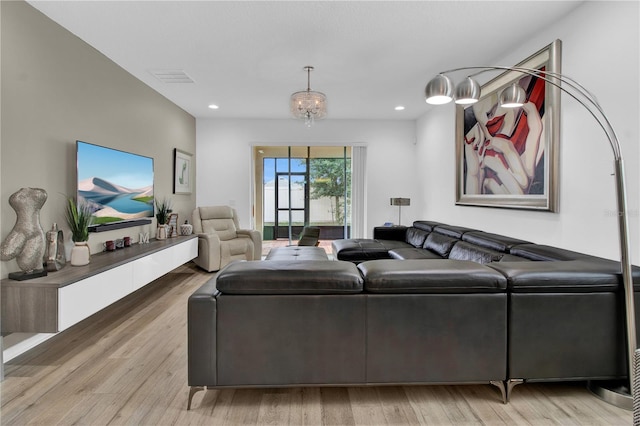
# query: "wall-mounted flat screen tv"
116,185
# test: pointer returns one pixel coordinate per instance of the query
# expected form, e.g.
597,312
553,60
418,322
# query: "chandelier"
309,104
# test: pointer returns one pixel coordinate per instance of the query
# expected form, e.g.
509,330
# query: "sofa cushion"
416,237
573,276
430,276
413,253
452,231
546,253
440,244
289,277
297,253
425,225
358,250
237,246
512,258
492,241
465,251
218,220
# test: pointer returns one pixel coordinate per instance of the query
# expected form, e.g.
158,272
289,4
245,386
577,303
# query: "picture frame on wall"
182,172
508,157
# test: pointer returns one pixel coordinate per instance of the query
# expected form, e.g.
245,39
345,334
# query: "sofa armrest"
201,336
256,238
397,233
208,252
571,276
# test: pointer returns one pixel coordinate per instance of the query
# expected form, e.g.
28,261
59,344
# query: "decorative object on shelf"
186,228
162,232
163,212
173,225
308,104
127,241
79,217
400,202
26,241
80,254
182,165
110,245
143,238
119,243
441,91
54,257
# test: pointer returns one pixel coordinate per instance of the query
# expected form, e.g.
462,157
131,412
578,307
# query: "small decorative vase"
186,229
161,234
54,253
80,254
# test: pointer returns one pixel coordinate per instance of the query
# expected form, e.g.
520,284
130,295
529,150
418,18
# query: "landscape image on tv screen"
116,185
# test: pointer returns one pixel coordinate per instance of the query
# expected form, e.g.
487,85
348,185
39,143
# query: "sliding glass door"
303,186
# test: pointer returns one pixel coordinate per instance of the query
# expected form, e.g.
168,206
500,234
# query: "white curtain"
358,191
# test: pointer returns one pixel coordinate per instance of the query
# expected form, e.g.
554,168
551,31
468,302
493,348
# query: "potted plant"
163,210
79,217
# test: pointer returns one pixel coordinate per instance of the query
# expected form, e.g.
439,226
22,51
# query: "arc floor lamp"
441,90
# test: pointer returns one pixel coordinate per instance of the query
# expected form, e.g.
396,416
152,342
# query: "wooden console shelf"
54,303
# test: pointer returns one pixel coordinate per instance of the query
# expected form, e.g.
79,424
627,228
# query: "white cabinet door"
86,297
161,262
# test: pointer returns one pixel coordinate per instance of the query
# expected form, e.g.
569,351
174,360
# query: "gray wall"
57,89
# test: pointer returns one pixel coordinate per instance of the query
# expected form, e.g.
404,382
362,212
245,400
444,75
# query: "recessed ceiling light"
399,108
214,106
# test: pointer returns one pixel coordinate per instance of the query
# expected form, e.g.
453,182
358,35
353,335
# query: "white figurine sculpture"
26,241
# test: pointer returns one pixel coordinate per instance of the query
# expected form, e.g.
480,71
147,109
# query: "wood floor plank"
275,409
127,365
366,406
396,406
427,408
246,407
336,407
311,406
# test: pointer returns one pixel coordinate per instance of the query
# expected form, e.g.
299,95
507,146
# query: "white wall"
598,38
225,168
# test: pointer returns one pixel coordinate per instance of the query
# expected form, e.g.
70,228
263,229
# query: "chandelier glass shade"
308,105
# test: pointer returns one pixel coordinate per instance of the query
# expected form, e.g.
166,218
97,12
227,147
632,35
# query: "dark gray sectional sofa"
427,304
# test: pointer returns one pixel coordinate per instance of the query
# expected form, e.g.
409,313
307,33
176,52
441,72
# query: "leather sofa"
435,304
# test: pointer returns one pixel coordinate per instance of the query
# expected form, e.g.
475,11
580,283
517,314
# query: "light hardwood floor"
127,365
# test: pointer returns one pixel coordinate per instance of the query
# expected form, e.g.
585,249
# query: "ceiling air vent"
172,76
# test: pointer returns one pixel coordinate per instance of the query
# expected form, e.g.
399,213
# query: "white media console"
63,298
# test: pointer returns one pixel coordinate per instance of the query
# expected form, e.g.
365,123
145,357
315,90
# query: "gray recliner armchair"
220,239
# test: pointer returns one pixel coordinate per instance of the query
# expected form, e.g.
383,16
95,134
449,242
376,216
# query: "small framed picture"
182,174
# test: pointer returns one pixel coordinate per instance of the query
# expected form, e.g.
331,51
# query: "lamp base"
614,392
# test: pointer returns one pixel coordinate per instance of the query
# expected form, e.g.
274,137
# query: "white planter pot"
161,233
80,254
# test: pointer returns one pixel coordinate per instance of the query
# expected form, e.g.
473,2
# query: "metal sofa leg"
503,390
192,391
511,383
506,387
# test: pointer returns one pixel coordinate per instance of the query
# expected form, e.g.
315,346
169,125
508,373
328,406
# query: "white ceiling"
248,56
